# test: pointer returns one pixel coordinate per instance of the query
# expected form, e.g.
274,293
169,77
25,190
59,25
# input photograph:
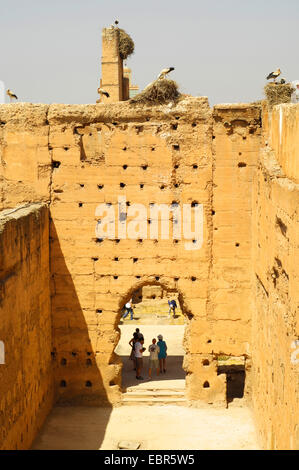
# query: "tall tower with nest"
117,45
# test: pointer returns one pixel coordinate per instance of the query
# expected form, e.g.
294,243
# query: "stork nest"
126,44
277,93
158,92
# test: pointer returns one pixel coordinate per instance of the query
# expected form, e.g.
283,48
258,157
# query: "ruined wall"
284,138
179,154
25,160
275,324
154,155
148,156
26,378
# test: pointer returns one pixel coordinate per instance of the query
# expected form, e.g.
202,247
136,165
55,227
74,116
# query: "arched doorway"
152,317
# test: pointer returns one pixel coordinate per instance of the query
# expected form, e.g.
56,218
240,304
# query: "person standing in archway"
162,353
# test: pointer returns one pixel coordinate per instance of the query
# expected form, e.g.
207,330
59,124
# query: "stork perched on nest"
274,75
164,72
11,95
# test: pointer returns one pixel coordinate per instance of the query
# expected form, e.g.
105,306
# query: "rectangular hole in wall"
235,378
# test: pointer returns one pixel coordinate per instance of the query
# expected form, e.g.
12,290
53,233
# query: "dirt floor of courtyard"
154,427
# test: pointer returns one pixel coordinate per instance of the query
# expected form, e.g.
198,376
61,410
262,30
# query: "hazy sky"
223,49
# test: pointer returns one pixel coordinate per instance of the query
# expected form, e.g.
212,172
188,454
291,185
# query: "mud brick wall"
81,156
239,291
149,155
25,161
281,127
26,378
275,325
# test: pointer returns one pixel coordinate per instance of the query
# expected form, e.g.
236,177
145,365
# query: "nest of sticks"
158,92
126,44
277,93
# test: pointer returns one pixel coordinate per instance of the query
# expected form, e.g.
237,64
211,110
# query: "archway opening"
156,310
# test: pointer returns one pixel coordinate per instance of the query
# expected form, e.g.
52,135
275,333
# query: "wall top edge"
236,106
123,111
20,211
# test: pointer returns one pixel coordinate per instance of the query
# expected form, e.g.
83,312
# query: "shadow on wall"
77,378
235,381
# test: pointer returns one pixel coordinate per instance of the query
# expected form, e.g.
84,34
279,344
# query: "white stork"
11,95
274,75
102,92
164,72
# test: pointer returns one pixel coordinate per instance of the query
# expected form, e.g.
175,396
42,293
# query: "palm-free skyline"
51,51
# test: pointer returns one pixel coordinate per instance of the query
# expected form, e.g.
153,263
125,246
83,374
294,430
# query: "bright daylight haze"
51,50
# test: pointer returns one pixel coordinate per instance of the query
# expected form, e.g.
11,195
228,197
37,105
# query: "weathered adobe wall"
282,126
236,142
170,153
25,161
276,278
26,378
187,153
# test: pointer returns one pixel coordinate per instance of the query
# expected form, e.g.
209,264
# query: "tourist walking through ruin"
139,350
162,353
128,309
153,358
172,306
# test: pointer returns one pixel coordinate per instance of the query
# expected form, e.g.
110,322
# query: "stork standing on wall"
102,92
274,75
164,72
11,95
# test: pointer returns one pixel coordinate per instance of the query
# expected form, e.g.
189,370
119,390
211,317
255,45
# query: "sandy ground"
154,427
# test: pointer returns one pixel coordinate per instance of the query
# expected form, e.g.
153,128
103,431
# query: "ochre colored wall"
26,378
244,296
89,286
185,153
284,138
275,324
25,161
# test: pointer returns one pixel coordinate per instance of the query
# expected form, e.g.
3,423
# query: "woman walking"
162,353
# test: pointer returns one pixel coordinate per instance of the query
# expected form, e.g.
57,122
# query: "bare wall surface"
26,378
275,327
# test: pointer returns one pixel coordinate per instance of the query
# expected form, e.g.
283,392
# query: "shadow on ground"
174,372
